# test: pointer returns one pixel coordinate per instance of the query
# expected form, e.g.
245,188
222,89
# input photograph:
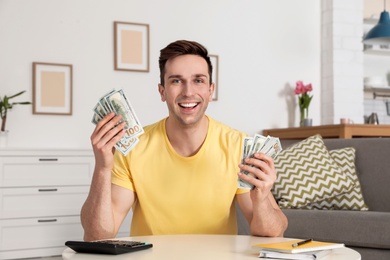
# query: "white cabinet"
41,194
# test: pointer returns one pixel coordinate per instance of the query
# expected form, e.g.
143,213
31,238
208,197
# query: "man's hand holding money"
258,153
116,102
261,177
107,133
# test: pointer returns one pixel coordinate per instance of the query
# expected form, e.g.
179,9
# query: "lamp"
380,33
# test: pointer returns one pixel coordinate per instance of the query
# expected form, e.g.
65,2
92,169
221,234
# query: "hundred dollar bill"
118,103
96,118
247,146
99,110
102,106
268,145
251,146
126,144
272,148
258,142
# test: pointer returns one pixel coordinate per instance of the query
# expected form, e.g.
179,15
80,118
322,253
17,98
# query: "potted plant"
6,105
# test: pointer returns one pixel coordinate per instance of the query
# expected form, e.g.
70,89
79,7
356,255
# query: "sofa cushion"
352,200
373,167
307,173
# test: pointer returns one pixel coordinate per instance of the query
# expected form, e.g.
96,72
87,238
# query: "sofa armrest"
353,228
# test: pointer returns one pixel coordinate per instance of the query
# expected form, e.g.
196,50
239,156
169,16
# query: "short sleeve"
121,174
241,191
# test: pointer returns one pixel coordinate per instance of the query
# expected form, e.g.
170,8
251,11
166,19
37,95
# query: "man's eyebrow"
175,76
181,76
200,75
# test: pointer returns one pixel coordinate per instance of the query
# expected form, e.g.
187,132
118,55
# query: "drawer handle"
44,190
47,220
48,159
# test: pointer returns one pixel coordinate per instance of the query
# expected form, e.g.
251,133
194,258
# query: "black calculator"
112,247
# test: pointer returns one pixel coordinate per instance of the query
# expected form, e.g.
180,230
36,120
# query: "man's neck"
187,140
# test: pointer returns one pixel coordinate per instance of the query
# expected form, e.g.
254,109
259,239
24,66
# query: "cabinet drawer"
39,232
44,201
49,170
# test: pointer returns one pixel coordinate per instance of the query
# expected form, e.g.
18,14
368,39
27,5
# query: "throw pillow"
307,173
352,200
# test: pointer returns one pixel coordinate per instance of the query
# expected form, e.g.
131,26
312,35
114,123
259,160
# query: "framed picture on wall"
214,62
131,46
52,88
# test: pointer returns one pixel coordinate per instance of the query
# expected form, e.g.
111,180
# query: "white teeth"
187,104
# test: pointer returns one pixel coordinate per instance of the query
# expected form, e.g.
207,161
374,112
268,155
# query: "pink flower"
303,97
302,89
299,88
308,88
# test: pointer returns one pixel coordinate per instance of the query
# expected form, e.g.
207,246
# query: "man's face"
186,90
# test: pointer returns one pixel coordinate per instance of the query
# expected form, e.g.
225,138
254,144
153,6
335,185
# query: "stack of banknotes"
117,102
258,144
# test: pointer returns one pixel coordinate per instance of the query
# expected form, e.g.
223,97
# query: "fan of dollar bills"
117,102
258,144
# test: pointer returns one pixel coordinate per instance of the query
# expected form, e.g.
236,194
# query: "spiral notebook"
312,255
287,246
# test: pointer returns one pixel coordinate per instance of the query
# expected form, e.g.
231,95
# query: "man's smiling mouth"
188,105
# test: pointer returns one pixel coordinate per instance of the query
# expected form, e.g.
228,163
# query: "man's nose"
188,88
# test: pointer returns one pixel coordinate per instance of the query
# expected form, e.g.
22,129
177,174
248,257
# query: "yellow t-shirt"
182,195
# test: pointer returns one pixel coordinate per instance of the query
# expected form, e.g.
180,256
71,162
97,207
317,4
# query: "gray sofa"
368,232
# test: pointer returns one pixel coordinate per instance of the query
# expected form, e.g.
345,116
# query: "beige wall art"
214,61
131,46
52,88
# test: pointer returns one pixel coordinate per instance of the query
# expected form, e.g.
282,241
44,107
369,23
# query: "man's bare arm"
103,213
265,219
99,217
259,206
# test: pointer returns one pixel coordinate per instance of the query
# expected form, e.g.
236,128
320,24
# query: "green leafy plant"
6,105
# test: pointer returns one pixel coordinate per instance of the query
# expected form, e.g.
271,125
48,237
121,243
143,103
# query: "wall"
264,47
342,61
373,8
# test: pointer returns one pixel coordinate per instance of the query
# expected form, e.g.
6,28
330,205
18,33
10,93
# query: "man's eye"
199,80
175,81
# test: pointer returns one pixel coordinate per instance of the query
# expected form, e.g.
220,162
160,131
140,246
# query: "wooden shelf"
377,52
331,131
378,92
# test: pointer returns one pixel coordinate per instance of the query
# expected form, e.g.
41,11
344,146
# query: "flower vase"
3,139
305,120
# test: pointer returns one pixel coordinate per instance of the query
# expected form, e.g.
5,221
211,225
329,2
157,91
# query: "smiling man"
181,178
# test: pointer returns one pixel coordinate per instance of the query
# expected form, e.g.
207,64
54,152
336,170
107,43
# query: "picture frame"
131,46
215,62
52,88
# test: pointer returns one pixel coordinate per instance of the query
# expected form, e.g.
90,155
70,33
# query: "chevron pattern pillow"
307,174
352,200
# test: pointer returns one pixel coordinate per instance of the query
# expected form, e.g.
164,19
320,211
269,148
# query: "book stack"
295,249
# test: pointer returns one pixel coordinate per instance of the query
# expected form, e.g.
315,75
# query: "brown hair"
183,47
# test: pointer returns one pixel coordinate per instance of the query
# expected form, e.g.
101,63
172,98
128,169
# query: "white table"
201,247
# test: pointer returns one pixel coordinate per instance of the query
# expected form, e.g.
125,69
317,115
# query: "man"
182,175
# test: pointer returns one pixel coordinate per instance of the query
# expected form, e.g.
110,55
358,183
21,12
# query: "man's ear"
211,90
161,90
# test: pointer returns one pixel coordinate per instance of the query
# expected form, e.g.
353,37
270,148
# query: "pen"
302,242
